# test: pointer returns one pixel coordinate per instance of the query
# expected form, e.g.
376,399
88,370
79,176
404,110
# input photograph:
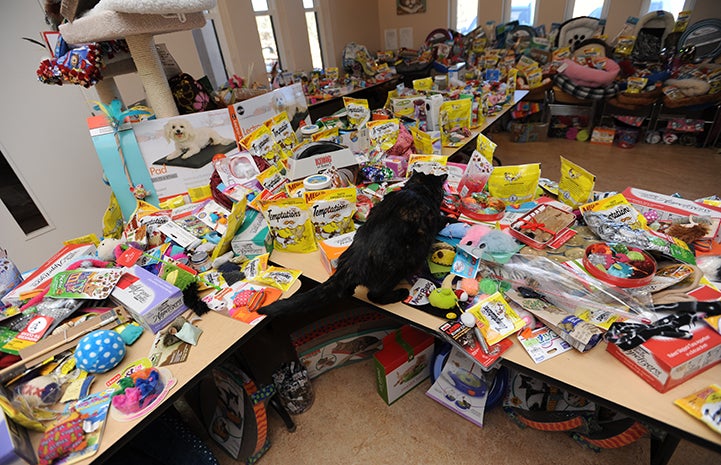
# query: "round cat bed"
582,75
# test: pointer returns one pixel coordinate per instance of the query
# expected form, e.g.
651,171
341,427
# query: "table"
517,97
376,95
595,374
221,337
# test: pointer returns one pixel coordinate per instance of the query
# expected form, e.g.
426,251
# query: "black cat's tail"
329,291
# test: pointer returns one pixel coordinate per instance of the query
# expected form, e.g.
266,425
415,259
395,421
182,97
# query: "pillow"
582,75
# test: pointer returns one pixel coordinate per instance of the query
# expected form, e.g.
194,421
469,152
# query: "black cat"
391,245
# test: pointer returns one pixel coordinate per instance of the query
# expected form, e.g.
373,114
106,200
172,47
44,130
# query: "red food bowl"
619,264
482,207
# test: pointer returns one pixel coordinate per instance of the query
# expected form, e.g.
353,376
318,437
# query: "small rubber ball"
99,351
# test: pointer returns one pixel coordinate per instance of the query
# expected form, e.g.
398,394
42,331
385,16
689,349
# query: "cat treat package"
262,145
576,184
290,224
515,184
383,133
455,121
425,142
332,211
283,132
359,112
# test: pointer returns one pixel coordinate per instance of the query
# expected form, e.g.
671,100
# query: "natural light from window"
593,8
311,22
672,6
466,16
266,33
523,11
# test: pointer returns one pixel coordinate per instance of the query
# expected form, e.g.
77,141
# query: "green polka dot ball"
99,351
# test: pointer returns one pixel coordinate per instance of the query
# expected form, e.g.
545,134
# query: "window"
523,11
18,201
268,42
311,22
592,8
672,6
464,15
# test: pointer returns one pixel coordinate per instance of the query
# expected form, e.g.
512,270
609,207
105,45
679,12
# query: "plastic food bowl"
482,207
619,265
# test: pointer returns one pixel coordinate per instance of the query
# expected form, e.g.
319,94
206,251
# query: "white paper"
391,39
406,37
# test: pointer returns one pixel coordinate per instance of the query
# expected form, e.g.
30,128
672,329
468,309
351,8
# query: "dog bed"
198,160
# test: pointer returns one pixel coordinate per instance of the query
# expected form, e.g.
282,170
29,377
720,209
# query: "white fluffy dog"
190,140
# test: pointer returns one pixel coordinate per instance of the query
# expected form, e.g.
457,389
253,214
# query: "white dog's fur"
190,140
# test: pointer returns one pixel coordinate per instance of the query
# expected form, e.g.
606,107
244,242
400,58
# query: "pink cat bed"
582,75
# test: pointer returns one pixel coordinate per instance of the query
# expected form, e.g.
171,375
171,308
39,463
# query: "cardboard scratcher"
198,160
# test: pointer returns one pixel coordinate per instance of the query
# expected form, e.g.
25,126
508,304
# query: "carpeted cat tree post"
137,22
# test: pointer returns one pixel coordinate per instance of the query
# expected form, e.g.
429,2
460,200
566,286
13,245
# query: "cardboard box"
331,249
403,363
41,277
151,301
674,208
341,338
665,362
15,445
250,240
304,167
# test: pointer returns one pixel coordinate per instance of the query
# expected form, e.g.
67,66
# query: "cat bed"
583,75
574,31
155,7
651,32
564,84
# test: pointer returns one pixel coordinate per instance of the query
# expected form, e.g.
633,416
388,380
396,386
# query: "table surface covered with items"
216,214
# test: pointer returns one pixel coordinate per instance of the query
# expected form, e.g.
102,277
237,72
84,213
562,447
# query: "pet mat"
198,160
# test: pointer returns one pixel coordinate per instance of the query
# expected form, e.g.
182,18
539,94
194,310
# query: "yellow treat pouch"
329,134
332,211
422,141
282,131
455,121
261,143
427,161
515,184
704,405
289,222
279,278
486,147
255,267
635,84
424,84
618,208
576,184
358,111
113,219
624,46
272,179
383,133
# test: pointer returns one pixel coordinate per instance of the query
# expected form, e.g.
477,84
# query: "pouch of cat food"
254,267
358,111
89,283
332,211
486,147
455,122
280,278
289,223
704,405
272,179
624,46
262,144
423,84
635,84
422,141
327,134
534,78
282,131
383,134
514,184
426,163
576,184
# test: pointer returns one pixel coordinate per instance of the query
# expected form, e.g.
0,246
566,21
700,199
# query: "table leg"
662,447
284,415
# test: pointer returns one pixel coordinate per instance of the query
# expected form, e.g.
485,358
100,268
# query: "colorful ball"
100,351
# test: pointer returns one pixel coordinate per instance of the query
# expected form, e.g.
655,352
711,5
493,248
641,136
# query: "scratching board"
198,160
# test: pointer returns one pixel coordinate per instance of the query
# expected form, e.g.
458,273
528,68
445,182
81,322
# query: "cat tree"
137,22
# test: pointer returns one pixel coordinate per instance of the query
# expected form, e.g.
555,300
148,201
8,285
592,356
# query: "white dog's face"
178,130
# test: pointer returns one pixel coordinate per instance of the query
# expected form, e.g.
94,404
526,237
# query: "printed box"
15,445
331,249
674,208
403,362
41,277
152,302
665,362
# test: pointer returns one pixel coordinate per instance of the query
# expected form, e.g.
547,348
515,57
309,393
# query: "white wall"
45,138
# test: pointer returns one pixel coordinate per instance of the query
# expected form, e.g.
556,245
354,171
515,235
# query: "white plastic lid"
309,129
317,182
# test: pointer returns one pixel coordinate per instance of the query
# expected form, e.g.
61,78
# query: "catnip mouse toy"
391,245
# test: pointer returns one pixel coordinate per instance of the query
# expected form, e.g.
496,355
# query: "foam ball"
99,351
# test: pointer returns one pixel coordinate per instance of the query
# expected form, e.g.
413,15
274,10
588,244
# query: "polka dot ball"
99,351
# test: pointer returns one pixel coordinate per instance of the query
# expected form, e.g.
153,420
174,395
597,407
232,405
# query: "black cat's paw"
396,295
